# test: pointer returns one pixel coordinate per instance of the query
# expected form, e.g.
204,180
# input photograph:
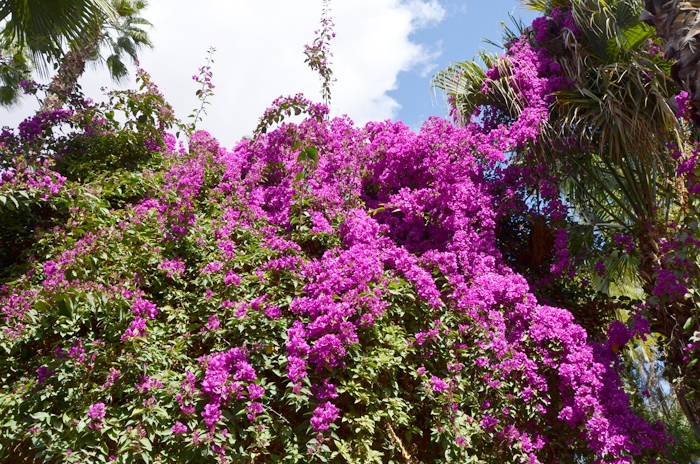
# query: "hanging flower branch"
318,53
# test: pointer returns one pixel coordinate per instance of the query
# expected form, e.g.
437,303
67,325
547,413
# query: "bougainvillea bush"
322,292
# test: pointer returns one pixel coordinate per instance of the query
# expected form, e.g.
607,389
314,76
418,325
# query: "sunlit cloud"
259,56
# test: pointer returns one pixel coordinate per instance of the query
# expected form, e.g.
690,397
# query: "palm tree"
678,24
67,33
34,33
618,167
121,38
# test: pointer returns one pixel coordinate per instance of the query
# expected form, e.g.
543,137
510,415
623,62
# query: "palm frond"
462,83
126,45
117,68
508,34
41,24
47,28
544,6
622,108
15,66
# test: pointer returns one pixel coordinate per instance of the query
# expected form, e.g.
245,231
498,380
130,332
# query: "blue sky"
385,53
458,37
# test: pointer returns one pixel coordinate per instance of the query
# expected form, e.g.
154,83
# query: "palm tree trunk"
668,320
70,69
678,24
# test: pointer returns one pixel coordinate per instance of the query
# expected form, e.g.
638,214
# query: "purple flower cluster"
97,413
228,377
142,307
136,329
669,284
43,373
40,125
36,179
682,102
558,22
172,267
411,207
324,415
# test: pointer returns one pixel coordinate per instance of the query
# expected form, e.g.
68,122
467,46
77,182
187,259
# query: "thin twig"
397,440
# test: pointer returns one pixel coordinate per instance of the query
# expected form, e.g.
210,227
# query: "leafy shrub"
322,292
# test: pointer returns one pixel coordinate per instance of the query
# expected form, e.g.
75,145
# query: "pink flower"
213,323
179,428
97,413
438,384
324,414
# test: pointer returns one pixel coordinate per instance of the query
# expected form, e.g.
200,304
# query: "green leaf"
146,443
688,323
311,153
42,416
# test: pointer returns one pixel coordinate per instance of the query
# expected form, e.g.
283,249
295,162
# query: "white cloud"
260,56
427,65
425,13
